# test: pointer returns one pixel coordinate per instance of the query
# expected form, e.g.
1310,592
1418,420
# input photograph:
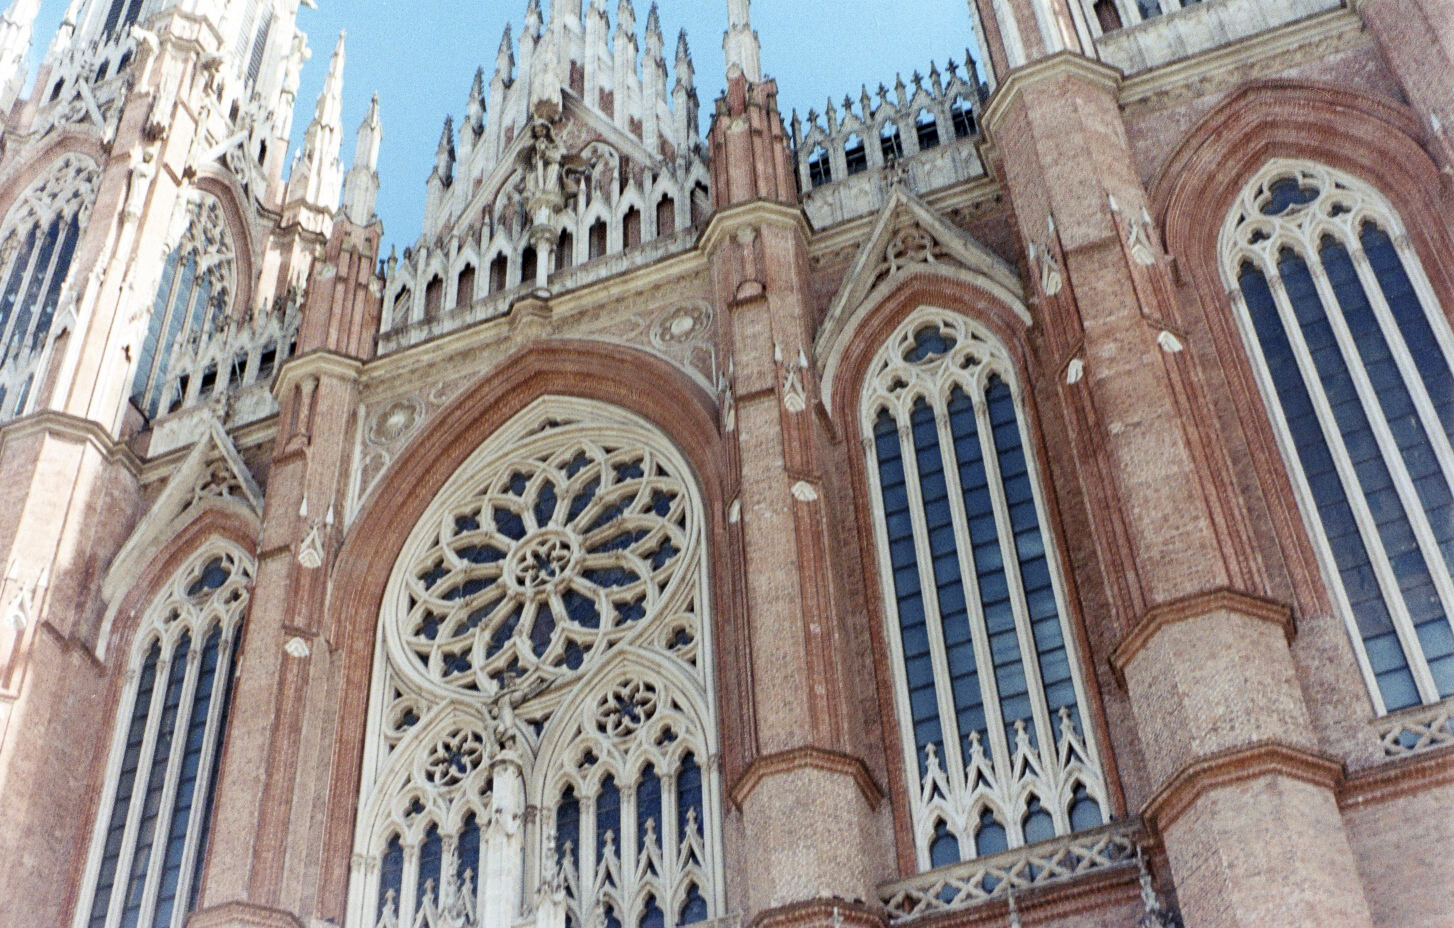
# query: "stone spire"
361,187
17,25
505,59
444,155
317,176
475,109
740,45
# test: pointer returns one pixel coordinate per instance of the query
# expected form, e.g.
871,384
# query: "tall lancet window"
545,644
147,852
1352,353
990,700
190,310
37,246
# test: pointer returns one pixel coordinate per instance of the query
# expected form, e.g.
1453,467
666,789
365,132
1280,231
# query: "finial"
740,45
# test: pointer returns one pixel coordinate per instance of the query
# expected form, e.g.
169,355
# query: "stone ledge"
75,429
243,915
1397,778
1194,607
839,913
1236,766
807,758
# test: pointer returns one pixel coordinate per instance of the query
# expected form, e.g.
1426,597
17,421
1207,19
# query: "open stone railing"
1417,730
952,888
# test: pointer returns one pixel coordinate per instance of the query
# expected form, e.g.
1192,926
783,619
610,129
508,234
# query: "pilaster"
810,809
1222,720
274,784
1417,41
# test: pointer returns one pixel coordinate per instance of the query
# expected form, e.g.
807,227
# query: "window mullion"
12,331
1357,500
119,888
951,756
1316,533
409,885
166,808
1393,458
211,748
1023,632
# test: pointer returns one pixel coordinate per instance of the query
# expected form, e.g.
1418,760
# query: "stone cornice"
1194,607
1063,64
75,429
243,915
724,222
838,912
1225,60
1265,758
1395,779
315,364
806,758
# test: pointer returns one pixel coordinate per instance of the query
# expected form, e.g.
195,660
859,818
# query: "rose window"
555,557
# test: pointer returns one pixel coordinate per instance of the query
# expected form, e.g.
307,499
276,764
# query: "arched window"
434,297
190,310
596,239
36,249
891,143
464,290
666,216
151,835
820,168
1352,353
990,701
120,17
545,644
499,274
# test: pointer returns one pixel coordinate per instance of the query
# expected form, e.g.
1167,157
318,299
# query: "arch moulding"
632,380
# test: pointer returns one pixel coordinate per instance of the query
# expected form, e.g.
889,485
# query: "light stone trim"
951,889
1001,776
538,726
1417,730
1343,205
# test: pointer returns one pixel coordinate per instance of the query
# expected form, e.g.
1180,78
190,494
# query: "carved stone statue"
552,177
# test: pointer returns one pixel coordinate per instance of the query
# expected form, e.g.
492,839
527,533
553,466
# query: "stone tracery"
542,648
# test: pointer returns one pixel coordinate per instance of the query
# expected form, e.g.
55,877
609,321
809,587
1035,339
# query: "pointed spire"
533,19
317,177
361,187
654,40
475,110
740,45
686,71
505,59
626,18
444,155
17,27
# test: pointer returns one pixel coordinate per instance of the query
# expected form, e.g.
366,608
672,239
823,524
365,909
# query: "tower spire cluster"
741,46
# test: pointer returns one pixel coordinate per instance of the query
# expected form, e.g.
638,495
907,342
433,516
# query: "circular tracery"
552,556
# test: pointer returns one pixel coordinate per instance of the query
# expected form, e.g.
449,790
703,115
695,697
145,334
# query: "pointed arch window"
1352,353
151,835
544,644
989,695
120,16
190,310
37,247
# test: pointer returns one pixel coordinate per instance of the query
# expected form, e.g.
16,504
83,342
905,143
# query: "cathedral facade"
1021,495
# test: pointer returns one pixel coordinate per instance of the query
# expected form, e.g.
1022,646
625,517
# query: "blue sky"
420,57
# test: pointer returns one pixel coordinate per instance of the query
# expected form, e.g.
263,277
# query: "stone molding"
1395,779
1228,768
319,364
243,915
840,913
1193,607
1060,65
806,758
67,427
725,222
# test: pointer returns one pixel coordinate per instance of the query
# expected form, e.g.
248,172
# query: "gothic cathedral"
1021,496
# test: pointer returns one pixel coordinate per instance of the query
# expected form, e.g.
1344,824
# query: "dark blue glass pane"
648,809
1035,577
51,298
227,680
608,819
913,627
431,860
125,784
944,849
391,877
994,585
1350,552
689,797
187,782
467,855
29,302
156,781
568,827
694,908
